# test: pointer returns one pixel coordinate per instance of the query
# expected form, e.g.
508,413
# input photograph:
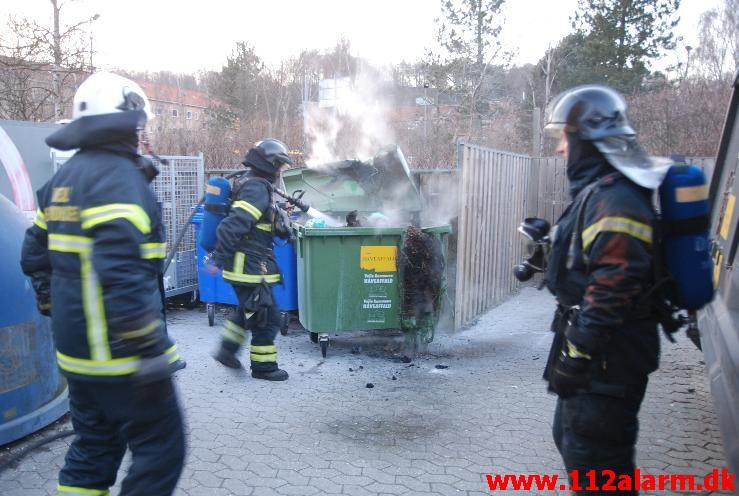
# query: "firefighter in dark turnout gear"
95,254
244,252
600,270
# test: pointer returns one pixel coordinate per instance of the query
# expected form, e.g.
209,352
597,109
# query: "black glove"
41,283
571,372
43,303
282,225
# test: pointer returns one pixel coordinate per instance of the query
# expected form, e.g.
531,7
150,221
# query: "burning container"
361,277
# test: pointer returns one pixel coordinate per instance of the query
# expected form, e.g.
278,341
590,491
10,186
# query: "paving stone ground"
420,430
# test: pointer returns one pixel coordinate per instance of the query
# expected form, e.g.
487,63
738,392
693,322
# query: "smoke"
349,121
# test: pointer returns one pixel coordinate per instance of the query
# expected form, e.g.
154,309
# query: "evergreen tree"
621,37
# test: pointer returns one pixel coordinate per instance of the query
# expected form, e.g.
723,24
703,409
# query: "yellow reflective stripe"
141,332
84,366
249,208
254,357
69,243
263,358
233,332
573,352
112,367
40,219
251,279
265,227
266,353
263,349
153,250
239,259
92,305
172,354
71,490
624,225
133,213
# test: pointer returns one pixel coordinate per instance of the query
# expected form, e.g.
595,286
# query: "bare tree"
40,65
718,50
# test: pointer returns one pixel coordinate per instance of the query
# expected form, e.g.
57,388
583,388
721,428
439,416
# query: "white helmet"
108,93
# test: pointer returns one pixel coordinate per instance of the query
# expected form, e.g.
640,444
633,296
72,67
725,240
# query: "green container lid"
382,184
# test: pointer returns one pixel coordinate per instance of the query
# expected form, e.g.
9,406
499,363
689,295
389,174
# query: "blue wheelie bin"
213,289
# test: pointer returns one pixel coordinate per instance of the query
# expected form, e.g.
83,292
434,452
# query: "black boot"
272,375
226,354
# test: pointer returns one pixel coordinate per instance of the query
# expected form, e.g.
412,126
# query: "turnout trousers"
110,417
262,352
598,431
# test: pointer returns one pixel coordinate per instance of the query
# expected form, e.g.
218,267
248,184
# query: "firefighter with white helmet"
94,255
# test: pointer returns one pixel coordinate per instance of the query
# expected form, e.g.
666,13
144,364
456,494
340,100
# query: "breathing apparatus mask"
538,244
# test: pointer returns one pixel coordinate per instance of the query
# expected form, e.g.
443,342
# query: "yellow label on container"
213,190
379,258
728,215
691,194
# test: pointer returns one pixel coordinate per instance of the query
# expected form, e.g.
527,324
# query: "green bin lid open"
381,184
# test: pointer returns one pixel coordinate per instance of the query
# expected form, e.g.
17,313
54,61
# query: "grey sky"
188,35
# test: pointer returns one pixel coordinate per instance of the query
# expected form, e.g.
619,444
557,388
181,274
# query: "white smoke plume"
353,123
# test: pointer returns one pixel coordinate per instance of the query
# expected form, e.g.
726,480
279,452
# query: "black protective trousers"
598,431
262,352
108,418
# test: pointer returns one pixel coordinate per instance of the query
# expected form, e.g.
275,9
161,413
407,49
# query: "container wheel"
284,323
314,337
323,341
211,314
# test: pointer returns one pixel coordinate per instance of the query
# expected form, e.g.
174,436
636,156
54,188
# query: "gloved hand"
41,283
43,303
571,372
209,264
282,225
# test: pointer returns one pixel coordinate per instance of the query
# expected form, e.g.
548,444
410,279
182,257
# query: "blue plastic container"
286,294
32,392
214,289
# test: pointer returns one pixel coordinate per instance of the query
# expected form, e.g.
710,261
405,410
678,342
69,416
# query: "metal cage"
178,188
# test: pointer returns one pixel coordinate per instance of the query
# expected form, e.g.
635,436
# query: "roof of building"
172,94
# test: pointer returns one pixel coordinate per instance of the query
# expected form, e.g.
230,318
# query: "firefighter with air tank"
244,252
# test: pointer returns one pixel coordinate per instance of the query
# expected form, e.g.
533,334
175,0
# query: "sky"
191,35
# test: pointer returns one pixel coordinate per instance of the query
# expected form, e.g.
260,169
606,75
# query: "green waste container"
349,277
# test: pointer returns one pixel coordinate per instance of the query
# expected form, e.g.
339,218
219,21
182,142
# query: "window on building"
175,113
158,111
188,115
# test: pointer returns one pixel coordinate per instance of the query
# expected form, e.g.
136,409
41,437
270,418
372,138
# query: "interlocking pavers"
429,432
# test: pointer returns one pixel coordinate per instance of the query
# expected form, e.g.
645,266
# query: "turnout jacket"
602,262
98,237
244,246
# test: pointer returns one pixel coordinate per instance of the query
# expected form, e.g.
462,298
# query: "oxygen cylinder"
217,202
685,242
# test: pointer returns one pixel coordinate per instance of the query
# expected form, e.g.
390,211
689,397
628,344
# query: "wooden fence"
495,195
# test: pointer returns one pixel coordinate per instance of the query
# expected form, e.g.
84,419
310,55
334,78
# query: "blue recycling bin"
213,289
286,294
32,392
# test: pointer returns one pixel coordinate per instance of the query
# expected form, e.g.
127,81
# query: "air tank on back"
32,392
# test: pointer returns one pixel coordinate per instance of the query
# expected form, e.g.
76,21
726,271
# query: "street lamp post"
425,114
